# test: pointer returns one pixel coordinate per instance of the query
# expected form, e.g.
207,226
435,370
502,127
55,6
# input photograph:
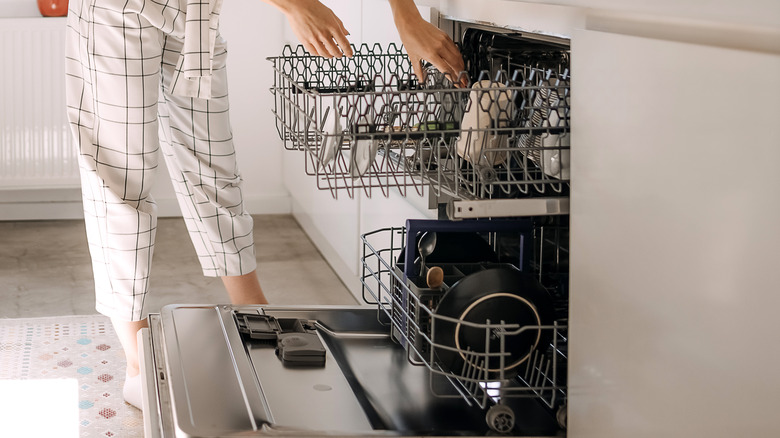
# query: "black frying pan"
501,296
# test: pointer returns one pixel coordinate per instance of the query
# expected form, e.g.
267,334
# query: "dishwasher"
464,327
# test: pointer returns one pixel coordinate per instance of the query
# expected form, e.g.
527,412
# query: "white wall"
254,32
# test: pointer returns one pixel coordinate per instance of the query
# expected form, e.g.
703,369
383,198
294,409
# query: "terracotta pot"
53,8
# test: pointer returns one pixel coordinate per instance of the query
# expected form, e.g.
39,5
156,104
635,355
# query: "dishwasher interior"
495,160
466,332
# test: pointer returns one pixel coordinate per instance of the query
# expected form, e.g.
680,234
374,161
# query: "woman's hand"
422,40
320,31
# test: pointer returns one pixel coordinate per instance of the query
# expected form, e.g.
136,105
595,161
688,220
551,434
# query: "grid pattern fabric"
123,69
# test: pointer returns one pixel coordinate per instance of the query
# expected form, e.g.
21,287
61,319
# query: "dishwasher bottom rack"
487,361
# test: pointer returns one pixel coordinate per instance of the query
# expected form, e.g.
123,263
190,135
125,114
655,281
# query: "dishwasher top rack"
365,123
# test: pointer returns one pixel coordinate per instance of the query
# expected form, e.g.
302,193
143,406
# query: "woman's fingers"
316,48
343,42
331,48
447,58
344,30
417,67
444,67
454,57
326,47
451,71
318,28
449,65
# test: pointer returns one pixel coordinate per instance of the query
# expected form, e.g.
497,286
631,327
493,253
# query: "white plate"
362,156
554,161
331,141
476,138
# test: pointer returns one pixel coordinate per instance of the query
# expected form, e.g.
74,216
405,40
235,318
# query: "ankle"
133,371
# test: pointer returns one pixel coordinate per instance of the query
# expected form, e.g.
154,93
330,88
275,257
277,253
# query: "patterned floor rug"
80,349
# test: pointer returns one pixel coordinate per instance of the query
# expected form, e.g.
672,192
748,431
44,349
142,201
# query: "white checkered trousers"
145,77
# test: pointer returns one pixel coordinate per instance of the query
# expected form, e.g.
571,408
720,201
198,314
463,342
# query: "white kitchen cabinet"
332,224
674,243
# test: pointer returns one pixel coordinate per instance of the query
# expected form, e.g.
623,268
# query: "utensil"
491,108
435,277
459,247
456,241
425,247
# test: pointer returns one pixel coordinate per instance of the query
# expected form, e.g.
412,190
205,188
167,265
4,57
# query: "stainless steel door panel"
212,389
318,399
209,382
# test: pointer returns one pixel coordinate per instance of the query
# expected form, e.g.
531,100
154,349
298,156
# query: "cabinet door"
675,204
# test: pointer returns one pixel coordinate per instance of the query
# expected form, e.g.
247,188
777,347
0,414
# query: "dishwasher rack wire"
366,124
409,308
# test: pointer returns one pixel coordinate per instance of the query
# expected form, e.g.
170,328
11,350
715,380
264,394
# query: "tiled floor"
45,268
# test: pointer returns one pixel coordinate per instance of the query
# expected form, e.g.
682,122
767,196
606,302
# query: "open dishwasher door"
203,377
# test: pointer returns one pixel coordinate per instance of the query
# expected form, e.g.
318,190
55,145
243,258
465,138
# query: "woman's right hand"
319,30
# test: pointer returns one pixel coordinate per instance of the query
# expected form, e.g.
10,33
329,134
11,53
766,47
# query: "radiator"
36,149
